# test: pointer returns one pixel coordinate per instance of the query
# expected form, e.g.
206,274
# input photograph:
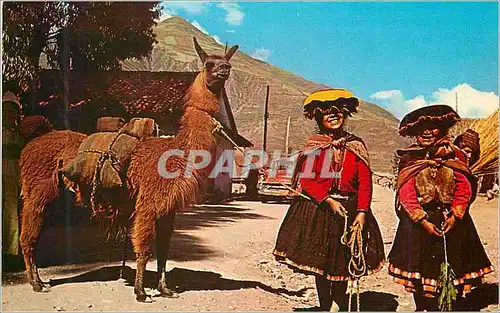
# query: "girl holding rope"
334,174
434,191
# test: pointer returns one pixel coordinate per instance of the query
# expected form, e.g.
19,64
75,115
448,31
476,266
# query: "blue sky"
399,55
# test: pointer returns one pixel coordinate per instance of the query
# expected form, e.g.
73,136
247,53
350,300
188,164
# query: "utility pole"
456,102
266,116
287,136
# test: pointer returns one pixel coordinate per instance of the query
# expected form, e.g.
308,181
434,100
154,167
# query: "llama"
153,199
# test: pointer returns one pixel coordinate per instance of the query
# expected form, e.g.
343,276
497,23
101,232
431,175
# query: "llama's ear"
202,54
230,53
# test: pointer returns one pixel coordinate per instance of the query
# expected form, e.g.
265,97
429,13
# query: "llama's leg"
142,237
164,231
31,224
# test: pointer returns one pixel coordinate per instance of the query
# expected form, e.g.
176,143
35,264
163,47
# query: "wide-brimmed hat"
324,99
439,115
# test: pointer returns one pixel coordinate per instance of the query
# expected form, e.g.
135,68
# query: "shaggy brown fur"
39,165
156,199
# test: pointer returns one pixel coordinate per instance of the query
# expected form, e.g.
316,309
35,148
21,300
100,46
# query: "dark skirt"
309,240
416,257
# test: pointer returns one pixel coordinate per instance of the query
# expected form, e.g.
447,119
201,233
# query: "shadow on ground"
369,301
70,238
178,279
481,297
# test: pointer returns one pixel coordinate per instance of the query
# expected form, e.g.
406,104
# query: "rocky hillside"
247,87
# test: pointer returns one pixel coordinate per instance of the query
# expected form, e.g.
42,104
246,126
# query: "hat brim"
438,116
350,105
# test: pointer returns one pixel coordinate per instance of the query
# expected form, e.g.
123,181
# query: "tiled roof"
138,93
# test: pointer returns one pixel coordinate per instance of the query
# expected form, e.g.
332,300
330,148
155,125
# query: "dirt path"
221,261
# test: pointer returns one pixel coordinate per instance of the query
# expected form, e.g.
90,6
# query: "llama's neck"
195,131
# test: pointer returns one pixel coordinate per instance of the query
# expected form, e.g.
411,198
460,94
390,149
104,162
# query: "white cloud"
230,31
192,7
388,95
205,31
415,103
234,15
472,103
261,54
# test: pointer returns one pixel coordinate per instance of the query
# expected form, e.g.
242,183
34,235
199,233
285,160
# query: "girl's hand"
336,207
449,224
432,229
360,220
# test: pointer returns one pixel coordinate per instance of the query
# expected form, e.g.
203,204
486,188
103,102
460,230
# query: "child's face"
428,136
333,120
468,152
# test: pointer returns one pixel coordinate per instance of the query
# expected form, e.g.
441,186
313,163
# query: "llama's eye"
209,64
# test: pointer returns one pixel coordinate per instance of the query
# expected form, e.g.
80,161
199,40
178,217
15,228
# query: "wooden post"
287,135
266,116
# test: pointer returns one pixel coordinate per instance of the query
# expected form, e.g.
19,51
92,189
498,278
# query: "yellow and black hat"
343,99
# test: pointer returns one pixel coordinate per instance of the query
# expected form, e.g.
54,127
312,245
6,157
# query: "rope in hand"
357,264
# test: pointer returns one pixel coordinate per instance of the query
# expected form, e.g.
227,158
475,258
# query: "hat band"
450,118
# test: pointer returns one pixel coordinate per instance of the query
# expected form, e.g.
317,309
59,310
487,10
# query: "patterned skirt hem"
430,285
281,257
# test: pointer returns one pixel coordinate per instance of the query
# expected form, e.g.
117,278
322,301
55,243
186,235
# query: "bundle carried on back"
102,156
109,124
109,150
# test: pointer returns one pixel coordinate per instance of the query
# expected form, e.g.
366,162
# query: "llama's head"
216,68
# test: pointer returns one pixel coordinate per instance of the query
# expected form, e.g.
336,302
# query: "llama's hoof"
41,287
143,297
37,288
167,293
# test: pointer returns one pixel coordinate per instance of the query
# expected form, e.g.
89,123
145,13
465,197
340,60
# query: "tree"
85,36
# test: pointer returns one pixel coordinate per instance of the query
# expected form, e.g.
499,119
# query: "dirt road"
220,261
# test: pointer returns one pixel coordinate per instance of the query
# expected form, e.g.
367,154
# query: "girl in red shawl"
334,172
434,191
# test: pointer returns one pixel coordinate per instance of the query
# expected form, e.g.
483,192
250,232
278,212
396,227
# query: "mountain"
246,89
